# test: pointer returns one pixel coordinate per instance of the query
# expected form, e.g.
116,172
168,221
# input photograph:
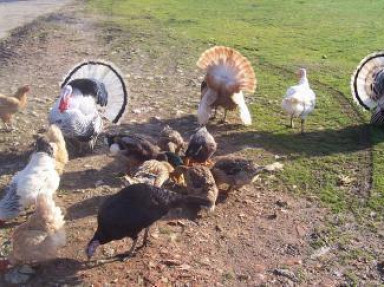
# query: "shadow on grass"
311,144
235,137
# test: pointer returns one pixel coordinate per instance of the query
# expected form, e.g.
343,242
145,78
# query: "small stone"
276,166
171,262
243,277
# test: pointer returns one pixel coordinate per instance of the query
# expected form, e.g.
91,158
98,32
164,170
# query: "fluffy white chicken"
300,100
40,237
39,176
91,91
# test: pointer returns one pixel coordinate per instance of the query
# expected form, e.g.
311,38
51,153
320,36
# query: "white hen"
299,101
39,176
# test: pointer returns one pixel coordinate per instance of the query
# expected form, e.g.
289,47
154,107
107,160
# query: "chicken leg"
291,126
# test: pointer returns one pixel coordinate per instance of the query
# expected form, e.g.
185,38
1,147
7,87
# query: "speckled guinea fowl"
234,171
152,172
200,182
137,149
201,147
134,208
171,140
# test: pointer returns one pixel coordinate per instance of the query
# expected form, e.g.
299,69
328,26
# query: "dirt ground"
260,236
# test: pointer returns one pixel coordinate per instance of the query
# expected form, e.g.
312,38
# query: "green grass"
327,37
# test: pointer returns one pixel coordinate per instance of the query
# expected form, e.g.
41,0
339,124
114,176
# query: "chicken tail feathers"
227,70
49,213
245,115
103,81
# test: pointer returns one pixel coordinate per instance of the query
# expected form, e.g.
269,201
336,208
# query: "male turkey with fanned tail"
367,85
91,92
228,74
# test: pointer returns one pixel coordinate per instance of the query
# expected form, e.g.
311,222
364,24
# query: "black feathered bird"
134,208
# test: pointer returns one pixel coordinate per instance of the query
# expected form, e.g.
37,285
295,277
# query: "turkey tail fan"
377,118
245,115
112,83
227,69
369,71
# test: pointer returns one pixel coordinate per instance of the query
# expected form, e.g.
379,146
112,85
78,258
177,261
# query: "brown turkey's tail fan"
367,82
227,70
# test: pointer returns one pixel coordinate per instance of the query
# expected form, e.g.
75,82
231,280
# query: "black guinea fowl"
134,208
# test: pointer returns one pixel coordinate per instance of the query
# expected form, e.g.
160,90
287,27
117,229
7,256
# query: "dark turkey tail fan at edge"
104,81
362,80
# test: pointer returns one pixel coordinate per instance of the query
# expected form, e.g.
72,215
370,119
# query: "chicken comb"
226,66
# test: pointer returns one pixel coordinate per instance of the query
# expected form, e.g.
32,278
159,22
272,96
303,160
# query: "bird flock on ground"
94,94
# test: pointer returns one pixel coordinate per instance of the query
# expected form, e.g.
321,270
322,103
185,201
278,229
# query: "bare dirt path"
262,236
14,13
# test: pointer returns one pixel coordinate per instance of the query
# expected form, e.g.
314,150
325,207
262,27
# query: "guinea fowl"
299,100
137,149
171,140
39,176
201,147
200,182
234,171
134,208
228,74
155,172
367,85
91,91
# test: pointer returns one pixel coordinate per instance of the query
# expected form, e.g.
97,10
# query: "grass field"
340,153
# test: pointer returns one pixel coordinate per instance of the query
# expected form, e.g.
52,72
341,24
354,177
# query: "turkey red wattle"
63,105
